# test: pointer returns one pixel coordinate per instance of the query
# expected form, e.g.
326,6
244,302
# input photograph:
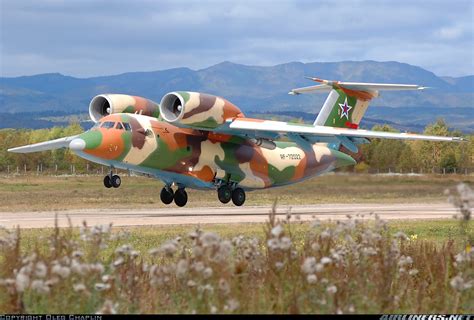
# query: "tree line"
379,154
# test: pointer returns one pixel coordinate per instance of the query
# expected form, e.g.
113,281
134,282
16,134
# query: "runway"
225,214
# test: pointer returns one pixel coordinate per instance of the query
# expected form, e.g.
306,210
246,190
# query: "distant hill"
254,88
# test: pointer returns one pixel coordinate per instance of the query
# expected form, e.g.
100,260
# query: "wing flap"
280,127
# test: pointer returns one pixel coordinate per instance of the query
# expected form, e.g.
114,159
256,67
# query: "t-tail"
347,101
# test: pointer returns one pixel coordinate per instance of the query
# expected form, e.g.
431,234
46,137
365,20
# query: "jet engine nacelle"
105,104
197,110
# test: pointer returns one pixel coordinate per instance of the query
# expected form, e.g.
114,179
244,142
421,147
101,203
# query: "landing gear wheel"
166,195
238,196
224,194
116,181
107,182
180,197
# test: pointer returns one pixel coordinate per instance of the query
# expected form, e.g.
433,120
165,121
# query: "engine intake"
105,104
196,109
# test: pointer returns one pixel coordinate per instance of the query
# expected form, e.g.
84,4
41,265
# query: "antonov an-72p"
197,140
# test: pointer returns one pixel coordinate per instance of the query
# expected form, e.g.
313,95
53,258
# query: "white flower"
273,244
207,287
78,287
277,230
22,282
325,234
102,286
209,239
457,283
207,273
405,261
107,278
154,251
61,271
118,262
97,267
331,289
232,305
319,267
198,266
169,248
311,278
125,249
285,243
213,309
309,265
413,272
181,268
191,283
326,260
279,265
315,246
369,251
40,286
41,270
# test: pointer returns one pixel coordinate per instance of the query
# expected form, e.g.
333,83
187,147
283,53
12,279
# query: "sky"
85,38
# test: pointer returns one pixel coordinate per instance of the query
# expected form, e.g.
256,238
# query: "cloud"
87,37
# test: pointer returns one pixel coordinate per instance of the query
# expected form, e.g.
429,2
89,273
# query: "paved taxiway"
224,214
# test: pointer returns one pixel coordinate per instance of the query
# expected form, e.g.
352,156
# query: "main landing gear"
225,193
112,180
180,197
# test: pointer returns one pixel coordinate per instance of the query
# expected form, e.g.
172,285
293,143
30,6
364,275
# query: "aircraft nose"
77,144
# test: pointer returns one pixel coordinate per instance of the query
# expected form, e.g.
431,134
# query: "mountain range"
255,89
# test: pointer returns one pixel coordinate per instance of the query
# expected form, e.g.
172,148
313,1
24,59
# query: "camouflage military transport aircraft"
197,140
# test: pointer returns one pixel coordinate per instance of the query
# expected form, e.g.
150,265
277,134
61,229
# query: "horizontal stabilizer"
328,85
44,146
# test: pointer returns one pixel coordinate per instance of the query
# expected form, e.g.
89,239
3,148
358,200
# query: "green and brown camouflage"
197,110
105,104
201,157
199,140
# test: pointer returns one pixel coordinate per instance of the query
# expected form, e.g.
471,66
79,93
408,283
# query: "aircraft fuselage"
200,159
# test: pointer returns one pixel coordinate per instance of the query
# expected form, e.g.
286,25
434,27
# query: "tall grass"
351,266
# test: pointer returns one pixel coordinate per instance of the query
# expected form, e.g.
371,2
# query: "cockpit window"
119,126
127,126
107,124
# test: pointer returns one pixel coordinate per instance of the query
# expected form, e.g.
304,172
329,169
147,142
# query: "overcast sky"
89,37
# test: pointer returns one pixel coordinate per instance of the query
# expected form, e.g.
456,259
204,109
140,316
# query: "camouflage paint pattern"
200,110
161,148
122,103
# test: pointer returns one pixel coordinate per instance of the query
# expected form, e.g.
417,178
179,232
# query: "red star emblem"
345,108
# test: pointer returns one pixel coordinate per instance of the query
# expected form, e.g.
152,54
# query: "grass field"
288,266
279,267
31,193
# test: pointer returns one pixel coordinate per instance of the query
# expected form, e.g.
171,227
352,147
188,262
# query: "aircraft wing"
268,127
43,146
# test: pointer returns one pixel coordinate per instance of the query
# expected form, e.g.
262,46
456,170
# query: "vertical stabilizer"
347,102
